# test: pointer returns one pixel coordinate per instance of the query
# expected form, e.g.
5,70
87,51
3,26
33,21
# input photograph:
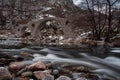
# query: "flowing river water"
105,64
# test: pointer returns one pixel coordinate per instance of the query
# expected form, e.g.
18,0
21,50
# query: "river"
105,64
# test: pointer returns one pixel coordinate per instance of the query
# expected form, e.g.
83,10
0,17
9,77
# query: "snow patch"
47,8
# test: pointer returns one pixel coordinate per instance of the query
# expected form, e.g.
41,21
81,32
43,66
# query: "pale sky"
76,2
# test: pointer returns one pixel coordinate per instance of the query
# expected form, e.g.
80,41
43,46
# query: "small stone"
5,74
37,66
63,78
41,74
15,66
48,77
27,74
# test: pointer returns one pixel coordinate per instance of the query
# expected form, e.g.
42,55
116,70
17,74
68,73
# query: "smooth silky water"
105,64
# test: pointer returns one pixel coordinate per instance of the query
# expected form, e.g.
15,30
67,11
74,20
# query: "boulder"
5,74
15,66
37,66
39,75
63,78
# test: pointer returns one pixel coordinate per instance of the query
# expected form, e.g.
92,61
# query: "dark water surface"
104,63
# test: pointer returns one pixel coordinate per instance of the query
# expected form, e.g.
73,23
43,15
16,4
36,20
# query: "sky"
76,2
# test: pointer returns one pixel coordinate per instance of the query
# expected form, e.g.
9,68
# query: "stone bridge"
35,26
64,23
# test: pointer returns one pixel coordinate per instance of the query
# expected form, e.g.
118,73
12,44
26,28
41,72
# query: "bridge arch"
38,27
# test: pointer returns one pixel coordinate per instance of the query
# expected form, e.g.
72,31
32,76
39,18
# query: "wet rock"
65,71
5,74
81,69
6,60
15,66
82,78
63,78
41,74
27,74
37,66
48,77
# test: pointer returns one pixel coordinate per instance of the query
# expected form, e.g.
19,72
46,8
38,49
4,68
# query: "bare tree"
101,17
96,17
110,5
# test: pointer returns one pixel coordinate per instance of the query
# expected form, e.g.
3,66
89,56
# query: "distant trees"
101,17
15,10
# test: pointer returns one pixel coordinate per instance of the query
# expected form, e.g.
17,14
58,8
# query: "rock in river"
37,66
15,66
81,69
5,74
39,75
